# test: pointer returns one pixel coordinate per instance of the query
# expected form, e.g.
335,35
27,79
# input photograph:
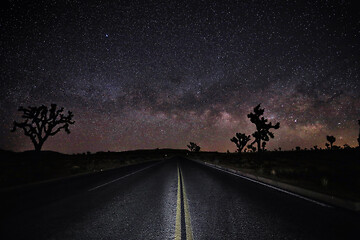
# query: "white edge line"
273,187
127,175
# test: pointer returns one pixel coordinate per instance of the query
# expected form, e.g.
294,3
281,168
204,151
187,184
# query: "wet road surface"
177,199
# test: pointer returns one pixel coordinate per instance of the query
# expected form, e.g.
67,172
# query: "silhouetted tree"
251,148
297,148
41,122
346,146
327,145
240,141
263,145
193,147
336,147
262,133
316,147
331,140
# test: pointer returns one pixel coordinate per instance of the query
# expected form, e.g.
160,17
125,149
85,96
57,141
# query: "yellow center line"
178,209
189,233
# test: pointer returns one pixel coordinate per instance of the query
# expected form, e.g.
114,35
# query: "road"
176,199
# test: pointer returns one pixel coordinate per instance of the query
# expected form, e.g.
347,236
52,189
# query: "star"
193,72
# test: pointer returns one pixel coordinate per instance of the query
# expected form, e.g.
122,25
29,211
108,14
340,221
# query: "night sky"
146,74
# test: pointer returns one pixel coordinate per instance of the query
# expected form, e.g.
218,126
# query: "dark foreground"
144,205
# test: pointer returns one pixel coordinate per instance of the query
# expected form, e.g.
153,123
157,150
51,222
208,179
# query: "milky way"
144,74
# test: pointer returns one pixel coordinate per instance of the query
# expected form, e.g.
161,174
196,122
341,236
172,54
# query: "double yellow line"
181,188
178,210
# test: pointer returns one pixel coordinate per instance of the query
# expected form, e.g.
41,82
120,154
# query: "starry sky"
158,74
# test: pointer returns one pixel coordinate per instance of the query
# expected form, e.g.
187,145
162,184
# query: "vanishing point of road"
172,199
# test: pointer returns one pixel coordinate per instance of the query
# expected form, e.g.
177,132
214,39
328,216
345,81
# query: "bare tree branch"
41,122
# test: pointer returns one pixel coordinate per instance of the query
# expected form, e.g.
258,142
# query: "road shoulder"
319,198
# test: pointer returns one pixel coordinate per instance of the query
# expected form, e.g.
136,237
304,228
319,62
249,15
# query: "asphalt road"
223,206
176,199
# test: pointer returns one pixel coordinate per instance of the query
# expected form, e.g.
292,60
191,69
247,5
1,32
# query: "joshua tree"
263,145
240,141
193,147
327,145
331,140
262,133
41,122
251,148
